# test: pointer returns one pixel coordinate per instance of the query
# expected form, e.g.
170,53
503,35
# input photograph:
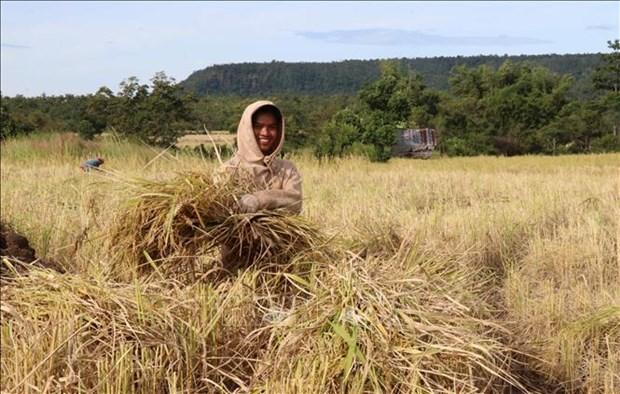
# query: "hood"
248,150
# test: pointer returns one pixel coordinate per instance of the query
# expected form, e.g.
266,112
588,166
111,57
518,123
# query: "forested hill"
346,77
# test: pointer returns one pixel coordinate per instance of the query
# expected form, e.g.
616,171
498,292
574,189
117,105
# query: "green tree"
338,135
7,124
97,113
155,114
607,75
502,111
607,79
168,109
129,112
397,100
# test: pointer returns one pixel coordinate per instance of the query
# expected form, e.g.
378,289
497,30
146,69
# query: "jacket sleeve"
289,197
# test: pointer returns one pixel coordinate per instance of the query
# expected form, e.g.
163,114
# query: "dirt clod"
16,251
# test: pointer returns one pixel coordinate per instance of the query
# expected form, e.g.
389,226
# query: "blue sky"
76,47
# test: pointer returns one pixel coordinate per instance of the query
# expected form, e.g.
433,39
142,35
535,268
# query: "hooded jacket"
278,180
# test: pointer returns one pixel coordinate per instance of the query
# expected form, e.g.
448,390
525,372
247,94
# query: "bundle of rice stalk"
69,333
169,223
370,325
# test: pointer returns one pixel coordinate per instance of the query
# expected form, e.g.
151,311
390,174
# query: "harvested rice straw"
170,223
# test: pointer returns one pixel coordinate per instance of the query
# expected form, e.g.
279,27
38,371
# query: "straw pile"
356,326
168,224
377,325
79,334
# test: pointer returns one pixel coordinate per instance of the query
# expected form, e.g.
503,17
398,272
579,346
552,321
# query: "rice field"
449,275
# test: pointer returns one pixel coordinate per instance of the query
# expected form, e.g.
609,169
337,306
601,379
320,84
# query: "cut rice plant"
74,334
355,325
370,325
169,224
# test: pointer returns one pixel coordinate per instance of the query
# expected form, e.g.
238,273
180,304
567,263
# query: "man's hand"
248,204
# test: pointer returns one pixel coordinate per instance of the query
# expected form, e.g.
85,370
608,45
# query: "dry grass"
169,225
362,324
371,325
449,275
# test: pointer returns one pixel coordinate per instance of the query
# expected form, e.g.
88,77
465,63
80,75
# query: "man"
92,164
260,137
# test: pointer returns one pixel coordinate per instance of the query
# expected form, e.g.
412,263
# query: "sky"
76,47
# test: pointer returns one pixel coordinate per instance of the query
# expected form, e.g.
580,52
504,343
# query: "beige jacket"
278,181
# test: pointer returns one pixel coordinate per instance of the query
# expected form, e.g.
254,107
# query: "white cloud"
411,37
601,27
14,46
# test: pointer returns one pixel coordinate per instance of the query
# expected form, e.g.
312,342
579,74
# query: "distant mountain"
346,77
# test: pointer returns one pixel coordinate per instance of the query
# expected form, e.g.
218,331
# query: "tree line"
516,107
347,77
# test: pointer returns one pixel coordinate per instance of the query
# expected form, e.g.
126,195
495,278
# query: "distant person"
91,164
260,137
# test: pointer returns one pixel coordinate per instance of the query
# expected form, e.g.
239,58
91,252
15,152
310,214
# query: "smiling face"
266,131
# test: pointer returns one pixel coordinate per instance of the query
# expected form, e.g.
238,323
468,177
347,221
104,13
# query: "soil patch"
16,250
